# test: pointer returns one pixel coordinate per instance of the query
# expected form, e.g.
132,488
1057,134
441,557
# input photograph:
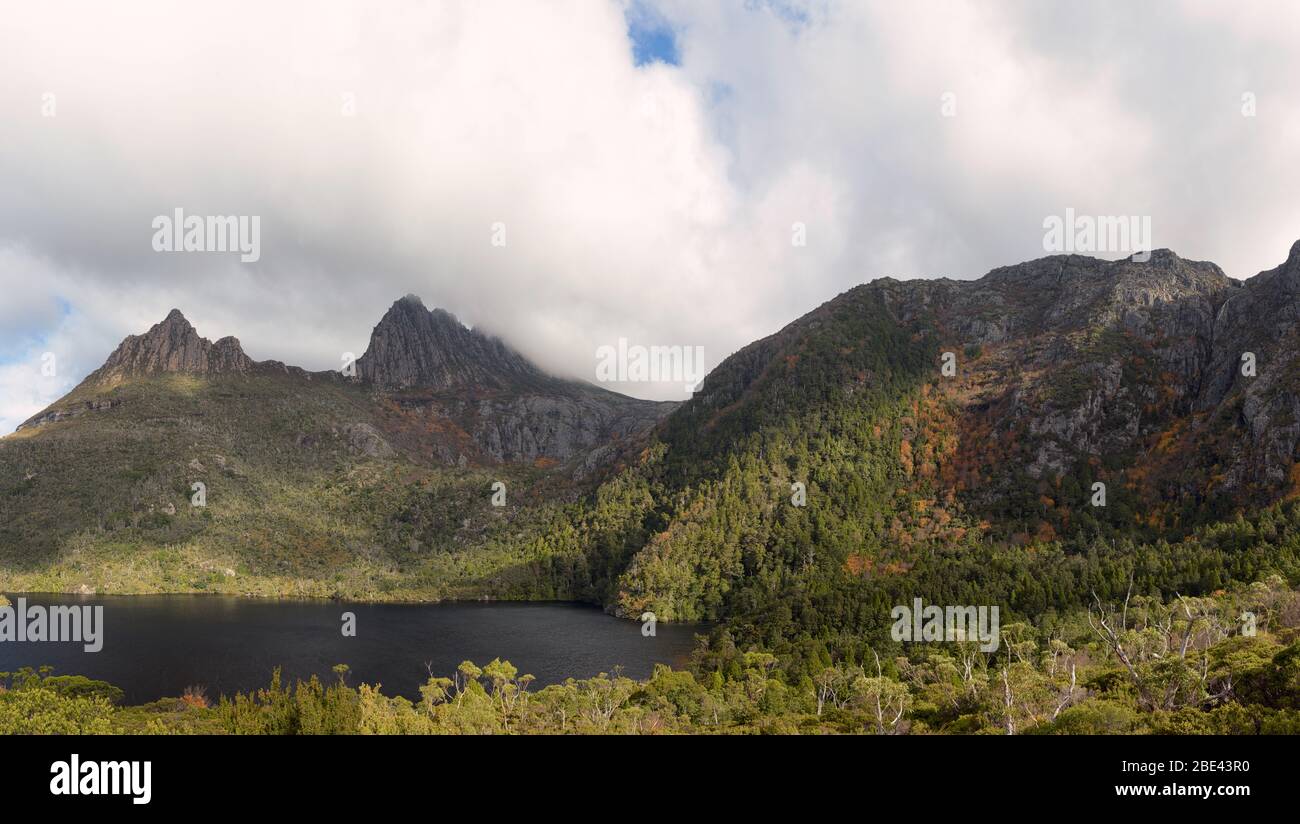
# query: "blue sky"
20,339
653,38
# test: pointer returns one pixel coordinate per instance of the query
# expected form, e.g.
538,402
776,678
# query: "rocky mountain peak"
173,345
1279,284
1064,294
413,346
1291,267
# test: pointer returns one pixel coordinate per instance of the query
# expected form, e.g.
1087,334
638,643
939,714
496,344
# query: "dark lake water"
157,645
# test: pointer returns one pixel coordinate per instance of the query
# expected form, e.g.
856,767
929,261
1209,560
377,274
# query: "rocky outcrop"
433,366
528,427
364,440
1137,364
1261,323
1070,369
1085,357
415,347
69,412
172,346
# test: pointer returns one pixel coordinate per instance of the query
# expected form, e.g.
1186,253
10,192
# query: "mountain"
1134,369
413,347
1055,428
431,368
1068,372
172,346
451,393
315,482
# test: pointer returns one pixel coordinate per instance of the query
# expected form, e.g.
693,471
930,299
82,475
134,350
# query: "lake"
157,645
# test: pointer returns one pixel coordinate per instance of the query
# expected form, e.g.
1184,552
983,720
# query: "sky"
569,173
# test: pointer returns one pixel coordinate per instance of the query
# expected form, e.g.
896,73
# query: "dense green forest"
820,482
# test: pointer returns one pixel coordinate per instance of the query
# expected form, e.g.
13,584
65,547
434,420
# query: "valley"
451,468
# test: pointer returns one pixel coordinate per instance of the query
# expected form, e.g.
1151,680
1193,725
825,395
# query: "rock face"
1084,357
1071,369
172,346
68,412
556,425
415,347
1262,320
1137,364
364,439
433,367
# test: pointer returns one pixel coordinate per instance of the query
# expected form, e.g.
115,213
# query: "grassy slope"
102,501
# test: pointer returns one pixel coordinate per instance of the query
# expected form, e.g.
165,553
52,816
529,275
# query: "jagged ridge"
415,347
172,346
462,396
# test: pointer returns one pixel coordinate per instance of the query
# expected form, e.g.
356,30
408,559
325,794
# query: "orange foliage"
196,697
857,563
1044,532
1295,481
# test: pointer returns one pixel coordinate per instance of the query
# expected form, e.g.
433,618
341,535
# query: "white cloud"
651,203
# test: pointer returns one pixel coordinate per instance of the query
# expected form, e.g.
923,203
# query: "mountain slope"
1069,372
314,483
